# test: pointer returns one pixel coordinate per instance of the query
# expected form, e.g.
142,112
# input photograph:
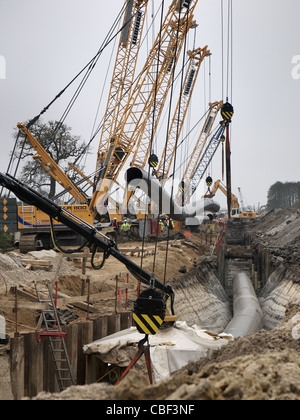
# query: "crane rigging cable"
152,133
169,120
177,43
88,68
176,146
227,52
100,126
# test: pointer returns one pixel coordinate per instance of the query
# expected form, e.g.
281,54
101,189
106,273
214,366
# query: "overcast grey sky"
44,43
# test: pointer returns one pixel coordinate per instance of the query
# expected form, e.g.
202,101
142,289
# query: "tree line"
284,195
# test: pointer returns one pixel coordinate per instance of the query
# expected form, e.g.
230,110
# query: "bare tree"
60,144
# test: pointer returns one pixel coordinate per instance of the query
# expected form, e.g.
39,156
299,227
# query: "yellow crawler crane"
196,58
199,149
131,133
123,74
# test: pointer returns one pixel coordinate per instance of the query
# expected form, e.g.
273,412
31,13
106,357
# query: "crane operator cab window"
235,212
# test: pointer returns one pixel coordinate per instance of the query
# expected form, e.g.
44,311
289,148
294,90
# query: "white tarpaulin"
171,348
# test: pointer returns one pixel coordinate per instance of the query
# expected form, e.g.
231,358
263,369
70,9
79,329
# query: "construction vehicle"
34,230
128,109
150,309
236,211
33,225
196,58
132,133
201,157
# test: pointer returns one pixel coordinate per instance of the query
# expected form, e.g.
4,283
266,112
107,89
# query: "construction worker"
162,225
170,224
125,226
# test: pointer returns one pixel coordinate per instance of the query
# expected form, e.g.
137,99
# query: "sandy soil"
14,273
263,366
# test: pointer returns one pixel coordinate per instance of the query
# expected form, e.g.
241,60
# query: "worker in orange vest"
115,224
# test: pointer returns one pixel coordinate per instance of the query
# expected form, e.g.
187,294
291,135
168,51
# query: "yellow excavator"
236,212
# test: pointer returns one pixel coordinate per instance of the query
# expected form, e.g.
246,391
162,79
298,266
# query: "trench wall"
201,299
281,289
276,281
280,283
31,366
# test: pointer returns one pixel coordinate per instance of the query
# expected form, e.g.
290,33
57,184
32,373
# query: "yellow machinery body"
29,217
34,228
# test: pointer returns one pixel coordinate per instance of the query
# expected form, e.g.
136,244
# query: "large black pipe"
248,316
191,214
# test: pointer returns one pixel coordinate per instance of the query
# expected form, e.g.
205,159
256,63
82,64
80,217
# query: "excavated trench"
205,297
260,366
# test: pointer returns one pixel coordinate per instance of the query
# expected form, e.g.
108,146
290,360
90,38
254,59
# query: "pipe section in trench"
194,214
248,315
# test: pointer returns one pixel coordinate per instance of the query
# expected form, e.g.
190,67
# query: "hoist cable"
58,247
227,63
185,139
176,148
222,45
91,64
153,121
100,125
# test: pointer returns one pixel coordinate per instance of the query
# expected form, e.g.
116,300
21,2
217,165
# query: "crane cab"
238,214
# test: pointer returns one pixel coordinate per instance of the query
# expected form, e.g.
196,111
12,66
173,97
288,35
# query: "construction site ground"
15,272
265,365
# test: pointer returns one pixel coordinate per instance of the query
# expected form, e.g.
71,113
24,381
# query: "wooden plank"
36,366
39,264
44,263
71,345
21,291
27,363
60,302
97,329
126,320
17,363
85,336
94,365
114,324
123,250
85,307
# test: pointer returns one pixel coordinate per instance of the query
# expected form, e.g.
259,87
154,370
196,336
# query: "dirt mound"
260,366
279,229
